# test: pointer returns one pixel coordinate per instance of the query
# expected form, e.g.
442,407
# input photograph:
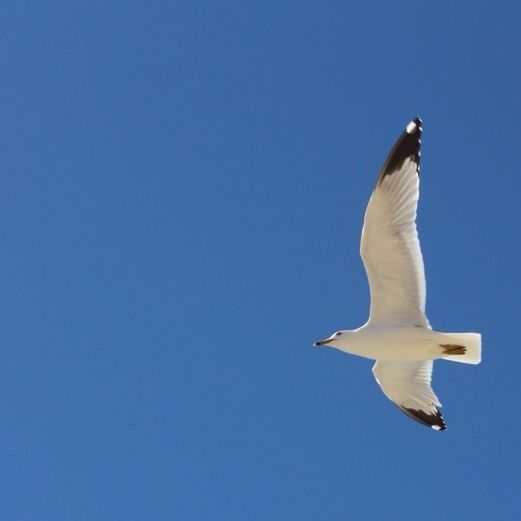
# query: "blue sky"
181,197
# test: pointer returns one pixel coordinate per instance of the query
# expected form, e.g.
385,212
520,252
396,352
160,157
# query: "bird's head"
337,340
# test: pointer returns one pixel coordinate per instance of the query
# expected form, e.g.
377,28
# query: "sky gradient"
181,199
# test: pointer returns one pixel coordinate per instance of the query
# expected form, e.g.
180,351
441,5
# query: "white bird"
397,334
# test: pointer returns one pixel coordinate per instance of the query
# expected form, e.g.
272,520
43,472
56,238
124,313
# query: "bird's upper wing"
390,247
408,385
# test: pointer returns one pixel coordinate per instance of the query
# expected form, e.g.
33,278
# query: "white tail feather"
472,344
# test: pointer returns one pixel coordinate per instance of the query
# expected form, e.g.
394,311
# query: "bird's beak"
320,343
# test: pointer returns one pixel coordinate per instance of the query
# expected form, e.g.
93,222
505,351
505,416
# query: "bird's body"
401,343
398,335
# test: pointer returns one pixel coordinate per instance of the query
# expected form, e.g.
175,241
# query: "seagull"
397,334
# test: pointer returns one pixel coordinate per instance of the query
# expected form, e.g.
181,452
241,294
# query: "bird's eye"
338,334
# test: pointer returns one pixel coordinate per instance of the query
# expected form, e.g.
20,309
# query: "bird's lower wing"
408,385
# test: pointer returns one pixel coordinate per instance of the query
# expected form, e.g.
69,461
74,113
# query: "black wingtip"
414,126
433,420
406,147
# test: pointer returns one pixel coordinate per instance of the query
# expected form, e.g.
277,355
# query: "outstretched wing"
390,247
408,385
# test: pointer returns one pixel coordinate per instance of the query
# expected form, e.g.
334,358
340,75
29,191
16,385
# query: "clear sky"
181,197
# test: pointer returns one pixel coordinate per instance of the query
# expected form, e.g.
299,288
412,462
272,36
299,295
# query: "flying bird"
397,334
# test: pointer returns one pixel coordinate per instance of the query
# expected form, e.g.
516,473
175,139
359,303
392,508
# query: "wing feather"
390,247
408,385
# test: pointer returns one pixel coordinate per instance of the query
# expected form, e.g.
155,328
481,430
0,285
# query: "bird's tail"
461,347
